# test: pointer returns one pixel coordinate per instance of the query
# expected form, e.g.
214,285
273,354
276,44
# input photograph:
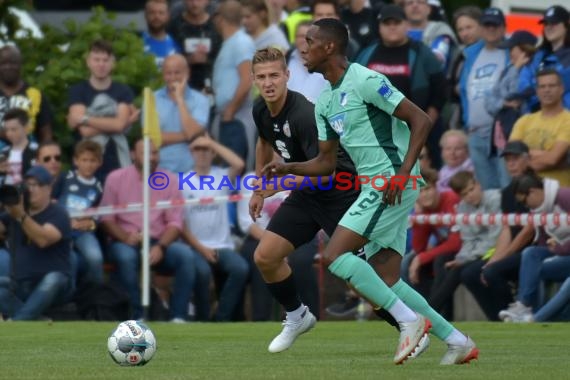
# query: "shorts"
385,226
302,215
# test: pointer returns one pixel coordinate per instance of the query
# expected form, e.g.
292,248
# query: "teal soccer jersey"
358,112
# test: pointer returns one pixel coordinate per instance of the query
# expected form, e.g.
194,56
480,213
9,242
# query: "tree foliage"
57,61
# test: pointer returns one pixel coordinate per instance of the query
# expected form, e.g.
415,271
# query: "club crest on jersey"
287,129
343,99
337,124
385,91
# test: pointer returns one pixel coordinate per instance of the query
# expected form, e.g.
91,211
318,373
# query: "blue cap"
492,16
40,174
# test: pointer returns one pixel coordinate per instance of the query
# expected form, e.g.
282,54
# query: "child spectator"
79,191
19,156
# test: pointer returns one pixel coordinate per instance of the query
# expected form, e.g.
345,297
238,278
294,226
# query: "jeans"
178,259
490,171
4,263
90,257
235,270
530,275
27,300
557,307
497,294
425,275
233,136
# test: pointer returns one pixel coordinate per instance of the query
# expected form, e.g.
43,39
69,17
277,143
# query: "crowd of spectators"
500,143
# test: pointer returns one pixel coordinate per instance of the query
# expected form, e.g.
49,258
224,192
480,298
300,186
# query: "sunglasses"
57,158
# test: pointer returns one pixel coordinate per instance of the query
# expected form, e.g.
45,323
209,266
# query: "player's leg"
392,233
290,227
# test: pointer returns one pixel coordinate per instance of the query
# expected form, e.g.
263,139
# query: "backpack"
104,302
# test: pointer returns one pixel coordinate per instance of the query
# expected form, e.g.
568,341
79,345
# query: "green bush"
56,62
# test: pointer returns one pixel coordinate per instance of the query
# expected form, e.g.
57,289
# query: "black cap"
555,14
391,11
492,16
520,37
515,147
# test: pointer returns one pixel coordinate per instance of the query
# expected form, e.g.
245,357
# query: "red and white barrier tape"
554,219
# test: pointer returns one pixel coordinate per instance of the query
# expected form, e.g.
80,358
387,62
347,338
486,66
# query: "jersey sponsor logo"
343,99
337,124
275,127
73,187
287,129
282,148
385,91
390,69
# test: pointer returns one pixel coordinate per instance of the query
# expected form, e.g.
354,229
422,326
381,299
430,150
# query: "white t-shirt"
209,223
14,176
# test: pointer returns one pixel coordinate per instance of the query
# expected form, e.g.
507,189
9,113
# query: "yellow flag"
151,127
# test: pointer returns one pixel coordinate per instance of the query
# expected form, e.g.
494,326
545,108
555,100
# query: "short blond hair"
269,54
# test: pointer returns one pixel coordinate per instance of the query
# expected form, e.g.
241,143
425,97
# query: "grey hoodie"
477,240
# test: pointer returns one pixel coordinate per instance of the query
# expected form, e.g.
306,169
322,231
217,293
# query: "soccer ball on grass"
132,343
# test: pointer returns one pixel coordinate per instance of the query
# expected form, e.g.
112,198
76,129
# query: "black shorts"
302,215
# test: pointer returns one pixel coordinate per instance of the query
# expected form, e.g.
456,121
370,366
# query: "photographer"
39,234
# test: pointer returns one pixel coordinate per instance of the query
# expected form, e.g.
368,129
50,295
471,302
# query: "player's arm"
263,155
322,165
420,126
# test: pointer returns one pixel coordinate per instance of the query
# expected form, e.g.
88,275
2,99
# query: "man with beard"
16,93
156,40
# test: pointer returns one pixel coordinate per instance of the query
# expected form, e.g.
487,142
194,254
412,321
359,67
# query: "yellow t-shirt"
539,132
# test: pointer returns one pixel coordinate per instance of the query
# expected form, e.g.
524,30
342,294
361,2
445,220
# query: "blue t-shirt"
78,194
160,48
31,262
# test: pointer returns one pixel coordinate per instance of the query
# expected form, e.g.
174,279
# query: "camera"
10,195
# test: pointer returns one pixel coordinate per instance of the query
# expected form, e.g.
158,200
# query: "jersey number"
282,148
363,204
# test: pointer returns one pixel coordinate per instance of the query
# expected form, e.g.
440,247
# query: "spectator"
16,93
300,80
183,113
410,66
447,241
466,23
547,132
489,281
39,239
232,83
557,308
425,158
331,9
166,255
208,232
301,260
437,35
101,109
49,156
18,157
193,30
79,191
484,62
156,39
554,53
548,260
504,103
298,11
455,155
360,19
476,240
255,20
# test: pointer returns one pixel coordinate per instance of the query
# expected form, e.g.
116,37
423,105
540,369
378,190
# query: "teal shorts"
385,226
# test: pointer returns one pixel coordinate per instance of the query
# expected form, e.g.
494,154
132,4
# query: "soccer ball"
132,343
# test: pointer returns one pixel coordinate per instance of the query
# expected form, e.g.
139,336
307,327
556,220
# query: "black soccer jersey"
293,132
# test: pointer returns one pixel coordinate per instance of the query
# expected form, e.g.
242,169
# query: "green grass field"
333,350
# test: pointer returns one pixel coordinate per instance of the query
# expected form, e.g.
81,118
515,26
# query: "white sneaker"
514,307
518,313
422,346
291,330
410,336
460,354
178,321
